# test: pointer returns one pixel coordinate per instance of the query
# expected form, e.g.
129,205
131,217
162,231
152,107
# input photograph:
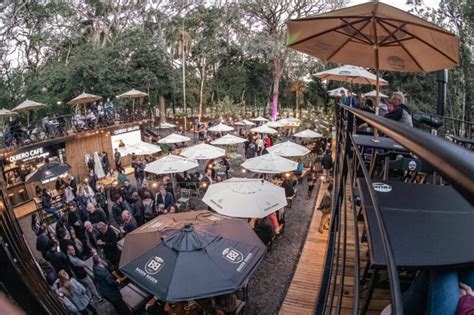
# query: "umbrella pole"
377,79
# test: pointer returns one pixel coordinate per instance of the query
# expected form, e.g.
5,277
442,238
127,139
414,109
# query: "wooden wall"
88,143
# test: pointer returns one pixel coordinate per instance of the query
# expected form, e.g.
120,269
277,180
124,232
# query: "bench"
134,297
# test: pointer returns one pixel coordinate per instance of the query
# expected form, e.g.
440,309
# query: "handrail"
453,162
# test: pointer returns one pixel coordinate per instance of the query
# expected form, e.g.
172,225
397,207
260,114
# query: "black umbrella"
208,256
48,172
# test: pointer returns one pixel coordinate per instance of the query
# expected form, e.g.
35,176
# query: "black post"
442,79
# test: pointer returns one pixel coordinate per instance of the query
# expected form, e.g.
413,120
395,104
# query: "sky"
401,4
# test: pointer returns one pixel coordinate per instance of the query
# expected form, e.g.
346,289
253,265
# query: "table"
383,143
428,225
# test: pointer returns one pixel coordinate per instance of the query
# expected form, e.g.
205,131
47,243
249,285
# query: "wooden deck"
304,288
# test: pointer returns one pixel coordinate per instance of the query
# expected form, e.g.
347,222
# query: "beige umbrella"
375,35
133,94
6,112
26,106
351,74
84,98
338,92
373,93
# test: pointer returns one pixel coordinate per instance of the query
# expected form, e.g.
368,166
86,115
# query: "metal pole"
442,79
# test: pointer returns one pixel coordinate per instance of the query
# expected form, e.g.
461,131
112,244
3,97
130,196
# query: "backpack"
148,212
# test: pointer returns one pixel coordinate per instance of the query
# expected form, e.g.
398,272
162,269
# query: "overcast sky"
401,4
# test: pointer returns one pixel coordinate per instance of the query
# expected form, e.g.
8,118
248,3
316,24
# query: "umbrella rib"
426,43
433,28
405,49
354,39
391,34
369,42
345,43
390,43
325,32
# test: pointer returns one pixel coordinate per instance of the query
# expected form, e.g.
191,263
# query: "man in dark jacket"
107,239
118,207
129,222
400,112
96,215
128,190
164,197
326,163
138,209
79,229
59,260
78,267
42,241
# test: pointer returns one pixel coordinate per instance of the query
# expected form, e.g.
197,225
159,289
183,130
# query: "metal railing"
452,162
445,125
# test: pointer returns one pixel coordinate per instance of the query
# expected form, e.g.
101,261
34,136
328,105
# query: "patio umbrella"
289,122
173,138
133,94
245,197
98,168
6,113
170,164
199,255
264,129
26,106
274,124
220,128
139,148
375,35
308,133
84,98
248,122
288,148
351,74
166,125
47,172
269,164
203,151
373,93
260,119
228,140
338,92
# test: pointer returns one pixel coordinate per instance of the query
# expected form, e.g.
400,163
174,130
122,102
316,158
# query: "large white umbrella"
203,151
308,133
166,125
269,164
98,167
373,93
289,122
139,148
170,164
6,112
264,129
338,92
228,140
245,198
274,124
260,119
351,74
28,105
288,148
174,138
220,128
248,123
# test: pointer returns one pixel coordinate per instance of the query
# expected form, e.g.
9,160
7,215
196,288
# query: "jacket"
326,162
401,114
77,294
117,210
110,248
168,200
108,287
77,266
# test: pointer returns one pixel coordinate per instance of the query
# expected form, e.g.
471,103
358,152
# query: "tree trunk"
276,85
201,89
162,109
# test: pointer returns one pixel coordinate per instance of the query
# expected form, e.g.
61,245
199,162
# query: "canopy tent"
166,125
173,138
269,164
191,255
288,148
220,128
203,151
264,129
373,93
339,92
308,133
228,140
26,106
351,74
245,197
170,164
84,98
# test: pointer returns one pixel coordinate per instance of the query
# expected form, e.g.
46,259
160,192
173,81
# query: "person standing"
260,144
137,209
118,207
75,292
164,197
118,162
107,239
326,163
109,287
92,180
105,162
325,207
312,179
129,222
78,268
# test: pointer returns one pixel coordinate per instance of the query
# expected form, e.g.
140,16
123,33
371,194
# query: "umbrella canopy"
199,255
375,35
288,148
289,122
84,98
350,74
228,140
245,197
47,172
260,119
132,94
139,148
248,122
28,105
174,138
98,168
308,133
203,151
170,164
6,112
220,128
264,129
373,93
269,164
166,125
338,92
274,124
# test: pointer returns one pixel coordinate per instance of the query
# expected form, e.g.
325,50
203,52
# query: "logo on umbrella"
232,255
382,187
154,265
396,62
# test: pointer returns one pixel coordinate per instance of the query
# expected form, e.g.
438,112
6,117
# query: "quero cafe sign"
28,155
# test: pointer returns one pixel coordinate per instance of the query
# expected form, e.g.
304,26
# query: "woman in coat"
75,292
